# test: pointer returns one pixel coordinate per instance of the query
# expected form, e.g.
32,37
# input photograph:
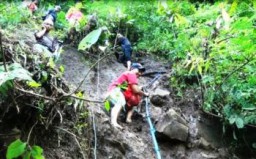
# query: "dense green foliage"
30,83
15,71
21,149
213,43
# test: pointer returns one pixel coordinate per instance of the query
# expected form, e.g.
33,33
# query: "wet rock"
204,144
193,129
201,143
180,152
160,97
173,126
224,153
37,48
156,112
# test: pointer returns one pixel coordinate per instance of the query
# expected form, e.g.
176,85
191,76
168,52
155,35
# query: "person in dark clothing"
44,39
42,36
127,51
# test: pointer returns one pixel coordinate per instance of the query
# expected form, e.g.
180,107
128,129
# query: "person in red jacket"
74,15
124,92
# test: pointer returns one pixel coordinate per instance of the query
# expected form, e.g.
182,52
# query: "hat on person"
138,66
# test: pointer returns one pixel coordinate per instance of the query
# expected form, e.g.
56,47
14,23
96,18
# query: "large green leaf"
242,24
5,87
248,107
16,149
239,123
27,155
232,120
15,71
107,105
37,152
90,39
34,84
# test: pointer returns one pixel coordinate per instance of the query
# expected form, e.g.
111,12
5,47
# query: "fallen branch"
2,51
153,73
31,131
220,117
36,95
61,118
225,39
234,71
87,100
73,96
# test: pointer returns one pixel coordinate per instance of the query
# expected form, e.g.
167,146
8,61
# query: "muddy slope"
135,140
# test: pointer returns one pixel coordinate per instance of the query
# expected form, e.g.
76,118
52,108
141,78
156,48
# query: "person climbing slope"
125,93
43,38
127,51
50,18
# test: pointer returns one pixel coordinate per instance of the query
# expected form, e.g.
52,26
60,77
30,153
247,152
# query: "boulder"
160,97
173,126
155,113
37,48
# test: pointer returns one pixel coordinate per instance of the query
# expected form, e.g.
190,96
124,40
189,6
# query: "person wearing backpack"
125,93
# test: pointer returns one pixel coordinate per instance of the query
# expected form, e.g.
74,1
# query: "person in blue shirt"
50,18
127,51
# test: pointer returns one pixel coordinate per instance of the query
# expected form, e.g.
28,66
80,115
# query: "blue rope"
152,130
95,137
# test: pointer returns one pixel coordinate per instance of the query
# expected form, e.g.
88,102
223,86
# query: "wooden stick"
2,51
36,95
